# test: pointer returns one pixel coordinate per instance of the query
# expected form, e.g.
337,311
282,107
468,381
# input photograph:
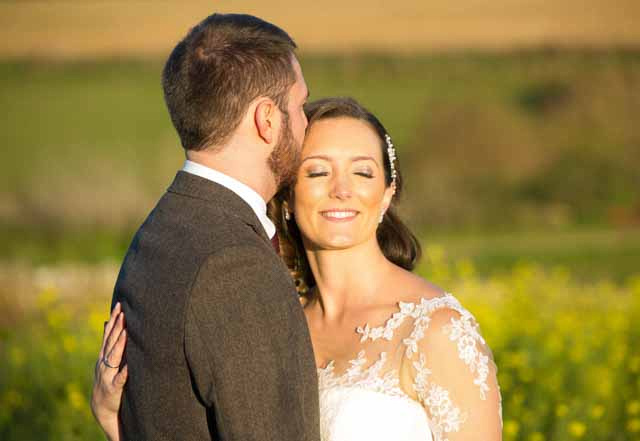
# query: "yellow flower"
536,436
465,268
577,353
577,429
58,318
517,398
634,425
597,411
47,298
555,343
517,359
96,321
75,397
511,428
69,343
562,410
633,408
604,387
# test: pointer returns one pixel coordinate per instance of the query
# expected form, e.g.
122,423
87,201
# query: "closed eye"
365,174
316,174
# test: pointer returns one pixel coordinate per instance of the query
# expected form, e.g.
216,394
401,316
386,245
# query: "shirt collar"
246,193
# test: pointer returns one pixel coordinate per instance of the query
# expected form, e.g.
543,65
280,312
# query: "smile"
339,215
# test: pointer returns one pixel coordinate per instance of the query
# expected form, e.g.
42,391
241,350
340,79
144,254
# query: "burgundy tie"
276,242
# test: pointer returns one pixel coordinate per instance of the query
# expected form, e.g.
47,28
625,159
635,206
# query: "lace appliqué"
418,311
386,331
465,331
355,375
445,416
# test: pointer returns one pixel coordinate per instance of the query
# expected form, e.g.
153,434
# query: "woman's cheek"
306,196
370,196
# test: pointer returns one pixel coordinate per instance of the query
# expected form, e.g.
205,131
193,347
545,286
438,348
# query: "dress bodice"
357,413
425,374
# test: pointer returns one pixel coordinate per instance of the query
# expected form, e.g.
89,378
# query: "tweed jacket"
218,347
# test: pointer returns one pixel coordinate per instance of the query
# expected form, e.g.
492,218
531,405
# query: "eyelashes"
367,175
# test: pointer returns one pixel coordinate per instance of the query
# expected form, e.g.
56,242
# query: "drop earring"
381,217
287,216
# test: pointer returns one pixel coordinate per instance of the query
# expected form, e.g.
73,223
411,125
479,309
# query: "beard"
285,157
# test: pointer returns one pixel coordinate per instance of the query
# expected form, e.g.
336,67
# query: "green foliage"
46,372
568,368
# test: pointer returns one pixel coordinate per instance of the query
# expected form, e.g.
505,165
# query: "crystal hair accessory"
391,151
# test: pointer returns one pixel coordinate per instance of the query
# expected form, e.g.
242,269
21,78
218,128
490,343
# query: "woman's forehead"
343,136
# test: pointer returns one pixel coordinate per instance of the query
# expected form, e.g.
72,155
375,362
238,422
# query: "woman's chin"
336,242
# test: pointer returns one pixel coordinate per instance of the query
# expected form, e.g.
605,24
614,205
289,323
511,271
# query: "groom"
218,346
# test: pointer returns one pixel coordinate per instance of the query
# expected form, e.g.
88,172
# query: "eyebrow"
353,158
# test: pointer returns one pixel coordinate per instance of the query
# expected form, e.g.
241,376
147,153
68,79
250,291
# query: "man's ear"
267,120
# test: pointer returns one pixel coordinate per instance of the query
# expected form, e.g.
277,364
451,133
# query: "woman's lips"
339,215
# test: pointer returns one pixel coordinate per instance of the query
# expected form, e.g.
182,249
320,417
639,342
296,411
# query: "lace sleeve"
454,376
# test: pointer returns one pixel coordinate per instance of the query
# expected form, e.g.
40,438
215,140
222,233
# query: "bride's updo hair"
397,242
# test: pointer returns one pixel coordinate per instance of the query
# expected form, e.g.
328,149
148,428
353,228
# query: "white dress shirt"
249,195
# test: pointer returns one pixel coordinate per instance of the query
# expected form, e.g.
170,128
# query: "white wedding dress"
424,375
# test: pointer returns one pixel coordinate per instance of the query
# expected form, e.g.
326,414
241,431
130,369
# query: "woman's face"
340,189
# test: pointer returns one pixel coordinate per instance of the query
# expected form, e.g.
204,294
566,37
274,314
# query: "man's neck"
256,176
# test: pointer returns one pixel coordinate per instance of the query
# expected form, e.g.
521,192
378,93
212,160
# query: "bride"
397,357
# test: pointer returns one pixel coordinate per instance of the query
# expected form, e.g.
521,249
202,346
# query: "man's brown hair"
214,73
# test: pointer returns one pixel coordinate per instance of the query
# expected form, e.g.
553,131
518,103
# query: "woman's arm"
456,379
110,377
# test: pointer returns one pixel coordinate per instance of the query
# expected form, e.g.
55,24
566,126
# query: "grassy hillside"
541,142
530,139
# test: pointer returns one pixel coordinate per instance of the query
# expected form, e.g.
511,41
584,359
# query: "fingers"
114,335
108,326
121,377
114,356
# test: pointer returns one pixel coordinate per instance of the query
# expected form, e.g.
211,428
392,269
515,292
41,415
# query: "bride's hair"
397,242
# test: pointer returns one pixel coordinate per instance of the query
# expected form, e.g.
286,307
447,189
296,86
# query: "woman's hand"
110,377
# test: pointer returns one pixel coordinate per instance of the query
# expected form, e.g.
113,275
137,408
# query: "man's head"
218,73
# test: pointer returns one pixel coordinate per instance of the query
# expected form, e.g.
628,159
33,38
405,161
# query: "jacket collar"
190,185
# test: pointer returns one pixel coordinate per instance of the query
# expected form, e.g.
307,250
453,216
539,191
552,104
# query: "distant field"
588,254
526,156
98,28
530,139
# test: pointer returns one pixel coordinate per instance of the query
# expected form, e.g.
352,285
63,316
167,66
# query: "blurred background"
516,124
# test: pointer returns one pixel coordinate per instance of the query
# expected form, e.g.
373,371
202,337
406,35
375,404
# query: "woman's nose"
341,188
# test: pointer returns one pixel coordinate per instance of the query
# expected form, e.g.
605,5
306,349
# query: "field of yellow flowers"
568,353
